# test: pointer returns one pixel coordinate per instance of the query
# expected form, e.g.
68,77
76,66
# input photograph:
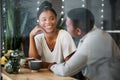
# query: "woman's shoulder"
38,36
64,34
62,31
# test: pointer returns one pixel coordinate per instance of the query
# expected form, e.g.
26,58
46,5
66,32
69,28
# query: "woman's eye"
43,19
52,18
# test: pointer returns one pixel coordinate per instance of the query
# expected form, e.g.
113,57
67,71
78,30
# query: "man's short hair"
81,18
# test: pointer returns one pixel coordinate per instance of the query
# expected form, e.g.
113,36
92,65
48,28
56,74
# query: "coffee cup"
35,65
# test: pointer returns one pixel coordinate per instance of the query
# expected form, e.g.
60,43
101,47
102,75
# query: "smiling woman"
52,45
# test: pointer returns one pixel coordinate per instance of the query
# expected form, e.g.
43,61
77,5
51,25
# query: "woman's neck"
53,35
51,40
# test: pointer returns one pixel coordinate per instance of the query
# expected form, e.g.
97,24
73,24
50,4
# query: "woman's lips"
48,27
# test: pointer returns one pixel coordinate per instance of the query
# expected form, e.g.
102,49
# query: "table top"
27,74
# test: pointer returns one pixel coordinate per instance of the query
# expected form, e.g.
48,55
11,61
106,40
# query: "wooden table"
26,74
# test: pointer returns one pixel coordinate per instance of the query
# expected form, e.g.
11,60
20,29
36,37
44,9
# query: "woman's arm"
47,65
69,56
32,47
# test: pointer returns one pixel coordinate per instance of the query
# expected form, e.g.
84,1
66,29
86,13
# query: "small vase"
12,66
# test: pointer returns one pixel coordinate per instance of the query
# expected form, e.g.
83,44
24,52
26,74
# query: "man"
97,56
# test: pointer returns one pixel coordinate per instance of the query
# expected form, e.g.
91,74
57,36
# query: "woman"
53,45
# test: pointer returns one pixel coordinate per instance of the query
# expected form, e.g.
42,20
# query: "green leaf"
23,24
10,16
9,26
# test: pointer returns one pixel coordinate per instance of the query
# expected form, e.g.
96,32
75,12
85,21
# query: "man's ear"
78,31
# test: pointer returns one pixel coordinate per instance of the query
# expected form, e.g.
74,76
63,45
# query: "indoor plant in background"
13,28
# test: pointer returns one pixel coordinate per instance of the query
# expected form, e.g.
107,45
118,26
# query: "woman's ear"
78,31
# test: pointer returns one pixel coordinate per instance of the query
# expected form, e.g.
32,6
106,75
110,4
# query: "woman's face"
70,27
47,20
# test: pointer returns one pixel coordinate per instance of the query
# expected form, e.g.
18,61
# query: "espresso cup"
35,65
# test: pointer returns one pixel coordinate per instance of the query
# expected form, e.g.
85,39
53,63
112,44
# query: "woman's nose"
48,21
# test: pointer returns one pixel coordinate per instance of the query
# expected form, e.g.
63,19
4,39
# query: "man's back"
104,64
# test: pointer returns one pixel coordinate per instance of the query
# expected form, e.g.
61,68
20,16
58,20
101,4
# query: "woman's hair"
45,6
81,18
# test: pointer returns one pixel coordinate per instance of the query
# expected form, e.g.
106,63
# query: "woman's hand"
36,30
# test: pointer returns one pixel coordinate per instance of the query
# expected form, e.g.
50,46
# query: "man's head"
79,21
